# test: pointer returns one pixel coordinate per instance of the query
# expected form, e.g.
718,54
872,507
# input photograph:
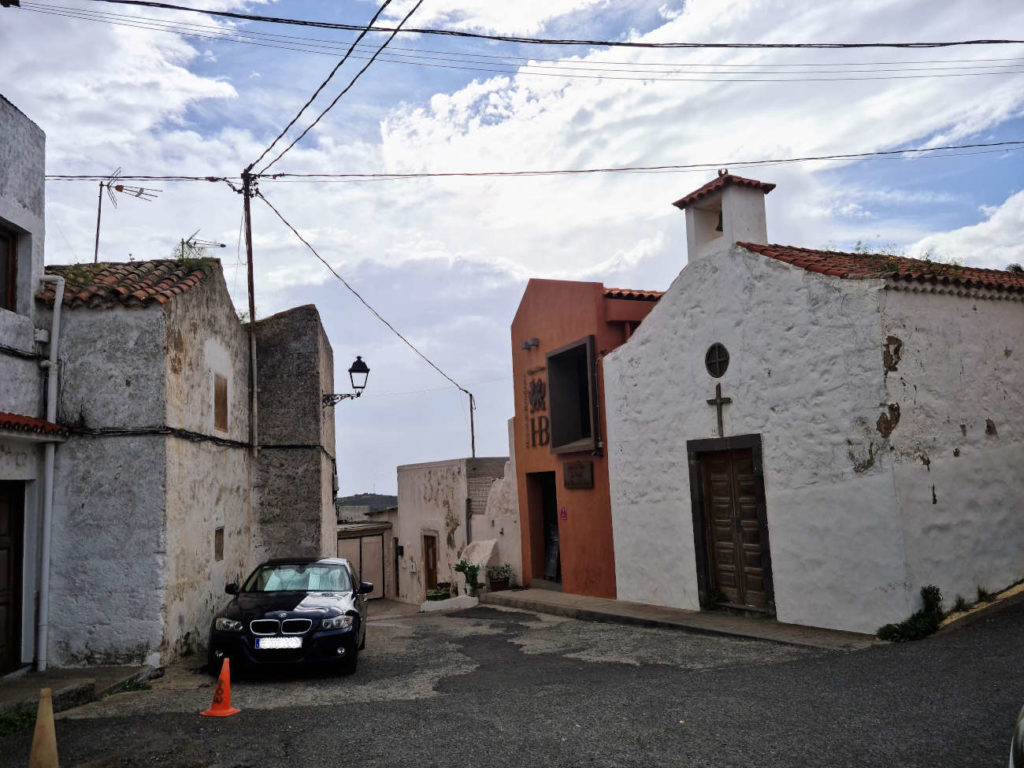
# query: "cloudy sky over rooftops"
446,259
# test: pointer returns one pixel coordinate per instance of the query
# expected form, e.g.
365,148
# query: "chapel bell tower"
726,210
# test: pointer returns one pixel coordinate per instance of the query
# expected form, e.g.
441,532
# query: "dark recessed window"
717,360
8,270
218,544
220,402
572,396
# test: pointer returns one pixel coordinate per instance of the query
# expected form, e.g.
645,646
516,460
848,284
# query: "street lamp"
358,373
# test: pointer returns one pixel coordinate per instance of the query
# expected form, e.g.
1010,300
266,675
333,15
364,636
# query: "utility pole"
472,427
247,192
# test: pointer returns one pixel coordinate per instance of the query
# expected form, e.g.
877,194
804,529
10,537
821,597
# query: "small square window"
220,402
218,544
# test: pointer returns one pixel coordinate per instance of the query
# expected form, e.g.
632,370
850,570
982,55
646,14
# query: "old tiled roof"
130,284
14,422
721,182
626,293
861,266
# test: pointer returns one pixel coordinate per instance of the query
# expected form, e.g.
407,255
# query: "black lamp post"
358,373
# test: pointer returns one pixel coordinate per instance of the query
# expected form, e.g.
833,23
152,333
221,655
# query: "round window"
717,360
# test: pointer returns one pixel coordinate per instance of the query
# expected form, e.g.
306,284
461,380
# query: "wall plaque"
579,475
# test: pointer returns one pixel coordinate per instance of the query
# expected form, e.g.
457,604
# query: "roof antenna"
112,184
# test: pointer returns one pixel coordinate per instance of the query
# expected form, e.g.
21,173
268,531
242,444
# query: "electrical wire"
344,91
322,85
355,293
914,152
551,41
574,70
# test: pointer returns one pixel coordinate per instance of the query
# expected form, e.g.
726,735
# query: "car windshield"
299,578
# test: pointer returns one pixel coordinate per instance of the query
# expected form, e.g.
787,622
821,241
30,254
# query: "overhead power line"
995,146
536,67
553,41
356,293
328,47
344,90
322,85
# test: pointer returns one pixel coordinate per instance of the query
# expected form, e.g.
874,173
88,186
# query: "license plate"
276,643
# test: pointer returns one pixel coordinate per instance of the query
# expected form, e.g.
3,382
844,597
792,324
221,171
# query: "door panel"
373,564
430,562
737,538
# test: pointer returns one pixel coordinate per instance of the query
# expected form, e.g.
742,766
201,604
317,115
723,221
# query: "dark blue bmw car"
293,611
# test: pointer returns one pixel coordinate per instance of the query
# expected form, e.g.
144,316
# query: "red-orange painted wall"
557,313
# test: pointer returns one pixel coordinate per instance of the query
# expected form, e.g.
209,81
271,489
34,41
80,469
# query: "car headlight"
227,625
338,622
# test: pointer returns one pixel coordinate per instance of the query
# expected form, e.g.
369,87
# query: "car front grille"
264,626
295,626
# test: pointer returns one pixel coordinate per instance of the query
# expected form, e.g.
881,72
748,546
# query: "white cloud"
522,17
994,242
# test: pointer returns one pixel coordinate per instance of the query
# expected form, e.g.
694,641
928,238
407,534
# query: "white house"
816,435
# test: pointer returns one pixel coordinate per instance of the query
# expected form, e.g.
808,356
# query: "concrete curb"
631,614
76,693
981,614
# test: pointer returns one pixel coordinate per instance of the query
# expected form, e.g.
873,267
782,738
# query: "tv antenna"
113,184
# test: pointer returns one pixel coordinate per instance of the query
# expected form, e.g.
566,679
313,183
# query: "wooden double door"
735,530
12,511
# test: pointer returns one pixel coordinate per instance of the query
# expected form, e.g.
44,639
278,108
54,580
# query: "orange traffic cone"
221,706
44,741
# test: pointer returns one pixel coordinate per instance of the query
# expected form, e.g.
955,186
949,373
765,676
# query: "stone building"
560,334
130,490
157,486
816,435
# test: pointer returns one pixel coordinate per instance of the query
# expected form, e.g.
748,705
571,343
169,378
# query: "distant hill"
375,501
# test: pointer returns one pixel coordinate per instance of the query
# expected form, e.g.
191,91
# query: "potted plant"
470,571
498,577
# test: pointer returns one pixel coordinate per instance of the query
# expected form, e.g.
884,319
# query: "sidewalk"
712,623
70,687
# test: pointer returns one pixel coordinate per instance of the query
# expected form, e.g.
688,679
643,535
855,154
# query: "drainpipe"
51,366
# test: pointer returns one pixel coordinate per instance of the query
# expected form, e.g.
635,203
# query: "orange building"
560,333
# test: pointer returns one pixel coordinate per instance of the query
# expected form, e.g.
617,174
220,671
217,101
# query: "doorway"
12,514
430,562
730,524
542,500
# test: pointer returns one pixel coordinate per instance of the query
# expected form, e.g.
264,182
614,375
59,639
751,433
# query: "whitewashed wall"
208,485
806,374
959,443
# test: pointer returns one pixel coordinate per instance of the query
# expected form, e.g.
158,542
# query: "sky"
445,260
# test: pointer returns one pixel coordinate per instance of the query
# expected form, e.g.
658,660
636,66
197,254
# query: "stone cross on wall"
718,401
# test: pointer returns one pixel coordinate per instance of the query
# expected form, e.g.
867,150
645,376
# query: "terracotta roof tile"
626,293
721,182
17,423
129,284
863,266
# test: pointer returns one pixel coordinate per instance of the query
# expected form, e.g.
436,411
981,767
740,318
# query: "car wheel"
213,664
350,662
362,643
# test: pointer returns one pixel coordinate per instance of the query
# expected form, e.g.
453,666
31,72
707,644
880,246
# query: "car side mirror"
365,588
232,588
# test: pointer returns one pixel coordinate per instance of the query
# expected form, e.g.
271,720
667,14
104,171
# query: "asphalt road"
488,687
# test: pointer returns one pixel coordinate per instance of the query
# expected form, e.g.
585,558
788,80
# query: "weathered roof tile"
130,284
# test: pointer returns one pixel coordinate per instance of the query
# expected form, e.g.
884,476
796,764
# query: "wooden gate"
732,526
366,553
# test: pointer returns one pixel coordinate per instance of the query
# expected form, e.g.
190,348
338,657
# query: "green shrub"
920,624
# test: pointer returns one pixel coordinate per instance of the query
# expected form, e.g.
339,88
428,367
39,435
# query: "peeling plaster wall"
207,484
805,373
108,537
431,500
295,469
957,448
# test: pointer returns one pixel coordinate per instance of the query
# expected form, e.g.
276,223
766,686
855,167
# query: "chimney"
726,210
